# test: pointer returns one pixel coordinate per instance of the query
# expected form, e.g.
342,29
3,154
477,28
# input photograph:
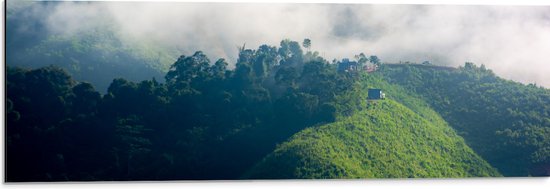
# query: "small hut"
347,66
376,94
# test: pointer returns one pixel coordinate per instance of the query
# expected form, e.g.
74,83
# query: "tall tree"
306,44
374,59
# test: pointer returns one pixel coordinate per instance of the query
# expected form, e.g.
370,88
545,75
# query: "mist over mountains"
116,91
280,109
512,40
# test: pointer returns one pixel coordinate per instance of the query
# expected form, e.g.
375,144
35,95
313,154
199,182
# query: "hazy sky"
514,41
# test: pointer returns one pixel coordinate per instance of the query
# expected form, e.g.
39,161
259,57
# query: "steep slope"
505,122
385,140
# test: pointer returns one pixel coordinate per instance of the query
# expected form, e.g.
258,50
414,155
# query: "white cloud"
514,41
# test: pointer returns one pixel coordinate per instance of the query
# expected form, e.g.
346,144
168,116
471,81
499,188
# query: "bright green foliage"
384,140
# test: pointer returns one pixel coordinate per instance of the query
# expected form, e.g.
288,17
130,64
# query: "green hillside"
280,113
385,140
505,122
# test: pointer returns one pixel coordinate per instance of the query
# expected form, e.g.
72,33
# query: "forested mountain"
96,54
505,122
205,121
401,137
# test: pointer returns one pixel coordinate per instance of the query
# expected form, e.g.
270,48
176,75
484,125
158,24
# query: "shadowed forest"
96,92
205,121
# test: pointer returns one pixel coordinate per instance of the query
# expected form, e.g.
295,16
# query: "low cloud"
514,41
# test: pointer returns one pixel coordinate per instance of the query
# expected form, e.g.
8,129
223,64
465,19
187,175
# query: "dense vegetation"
505,122
386,140
204,122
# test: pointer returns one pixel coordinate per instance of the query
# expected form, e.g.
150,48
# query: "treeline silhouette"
204,122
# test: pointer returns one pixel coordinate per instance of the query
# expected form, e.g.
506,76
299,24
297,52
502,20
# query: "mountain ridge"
373,144
210,122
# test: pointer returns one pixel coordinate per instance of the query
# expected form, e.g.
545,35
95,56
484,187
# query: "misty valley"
96,107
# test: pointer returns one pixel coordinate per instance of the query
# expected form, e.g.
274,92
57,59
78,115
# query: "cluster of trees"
506,122
204,122
363,59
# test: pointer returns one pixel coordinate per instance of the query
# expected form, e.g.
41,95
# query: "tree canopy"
185,128
206,121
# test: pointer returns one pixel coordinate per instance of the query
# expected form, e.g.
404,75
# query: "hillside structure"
347,66
376,94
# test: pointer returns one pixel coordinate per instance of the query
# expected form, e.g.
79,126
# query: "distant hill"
505,122
96,55
385,140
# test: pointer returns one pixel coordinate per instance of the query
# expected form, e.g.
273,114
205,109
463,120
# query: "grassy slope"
385,140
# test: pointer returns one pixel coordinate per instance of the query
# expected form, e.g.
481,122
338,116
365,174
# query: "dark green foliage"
86,99
503,121
209,122
290,53
375,60
186,69
55,124
205,122
132,149
361,58
306,43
